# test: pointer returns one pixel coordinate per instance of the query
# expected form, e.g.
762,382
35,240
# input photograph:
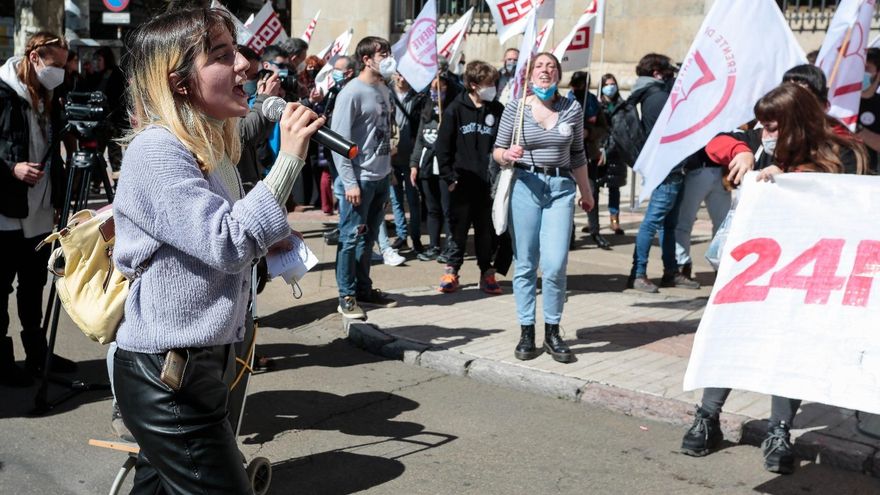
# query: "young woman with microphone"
186,238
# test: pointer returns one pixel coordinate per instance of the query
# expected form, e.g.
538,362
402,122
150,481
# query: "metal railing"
813,15
448,11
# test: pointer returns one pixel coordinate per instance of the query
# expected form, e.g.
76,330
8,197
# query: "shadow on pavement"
691,304
271,413
807,478
437,335
464,294
622,336
594,282
336,354
19,402
300,314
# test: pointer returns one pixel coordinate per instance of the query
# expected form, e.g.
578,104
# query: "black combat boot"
703,436
554,344
778,456
526,349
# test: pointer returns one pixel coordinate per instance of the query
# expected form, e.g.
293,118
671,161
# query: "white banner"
575,51
451,43
511,16
526,52
329,54
310,30
600,23
267,29
543,36
842,58
727,69
794,309
416,52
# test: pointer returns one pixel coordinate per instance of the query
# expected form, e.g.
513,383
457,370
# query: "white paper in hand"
291,265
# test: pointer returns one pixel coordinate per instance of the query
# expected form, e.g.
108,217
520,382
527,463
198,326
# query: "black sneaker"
678,280
703,436
429,255
376,298
331,238
417,246
348,307
778,456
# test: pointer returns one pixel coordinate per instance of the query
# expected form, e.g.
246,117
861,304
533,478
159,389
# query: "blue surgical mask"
338,76
866,81
609,90
544,94
769,145
510,67
250,87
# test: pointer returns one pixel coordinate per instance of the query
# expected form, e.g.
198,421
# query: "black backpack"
626,132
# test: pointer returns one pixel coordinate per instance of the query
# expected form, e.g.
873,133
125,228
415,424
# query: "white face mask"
769,145
487,93
50,77
387,67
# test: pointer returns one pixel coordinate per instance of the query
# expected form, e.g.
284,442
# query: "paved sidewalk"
632,350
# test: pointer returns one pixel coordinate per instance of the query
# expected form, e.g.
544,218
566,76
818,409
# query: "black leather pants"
187,444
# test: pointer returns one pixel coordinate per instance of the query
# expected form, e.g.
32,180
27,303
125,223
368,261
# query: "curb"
811,446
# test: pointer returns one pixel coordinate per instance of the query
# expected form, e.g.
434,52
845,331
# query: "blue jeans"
358,228
613,200
541,212
662,216
412,199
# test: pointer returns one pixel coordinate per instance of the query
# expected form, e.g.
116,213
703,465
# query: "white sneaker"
391,257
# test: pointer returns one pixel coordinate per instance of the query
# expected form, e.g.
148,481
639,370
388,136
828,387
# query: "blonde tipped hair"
170,44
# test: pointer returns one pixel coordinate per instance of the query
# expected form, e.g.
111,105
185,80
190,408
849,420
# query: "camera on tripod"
86,114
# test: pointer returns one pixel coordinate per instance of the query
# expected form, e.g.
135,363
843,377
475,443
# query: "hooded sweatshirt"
652,94
466,138
39,198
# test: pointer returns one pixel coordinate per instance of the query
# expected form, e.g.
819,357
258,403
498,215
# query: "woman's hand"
742,163
269,86
28,172
413,175
298,124
766,174
512,154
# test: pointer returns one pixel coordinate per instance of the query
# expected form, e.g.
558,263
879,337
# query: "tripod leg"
83,199
41,403
105,179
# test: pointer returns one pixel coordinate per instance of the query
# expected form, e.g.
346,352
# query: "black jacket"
422,156
466,138
14,146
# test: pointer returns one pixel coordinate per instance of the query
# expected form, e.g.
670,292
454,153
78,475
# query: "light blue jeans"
541,212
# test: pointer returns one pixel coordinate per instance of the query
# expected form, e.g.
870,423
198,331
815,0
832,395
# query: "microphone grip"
335,142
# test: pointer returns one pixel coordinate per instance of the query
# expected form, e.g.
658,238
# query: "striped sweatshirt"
560,146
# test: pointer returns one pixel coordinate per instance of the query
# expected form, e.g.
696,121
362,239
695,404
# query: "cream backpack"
89,286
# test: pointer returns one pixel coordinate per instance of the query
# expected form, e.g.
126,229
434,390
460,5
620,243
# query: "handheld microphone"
273,106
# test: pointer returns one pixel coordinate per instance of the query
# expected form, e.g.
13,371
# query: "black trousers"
30,267
471,204
782,409
187,444
436,194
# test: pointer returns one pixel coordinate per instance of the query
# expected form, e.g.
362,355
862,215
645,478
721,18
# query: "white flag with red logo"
842,58
416,52
543,36
576,49
528,48
451,43
242,34
310,30
267,29
511,16
726,71
329,54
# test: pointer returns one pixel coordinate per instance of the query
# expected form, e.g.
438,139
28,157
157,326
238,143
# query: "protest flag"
451,43
310,30
329,54
267,29
511,16
576,49
416,52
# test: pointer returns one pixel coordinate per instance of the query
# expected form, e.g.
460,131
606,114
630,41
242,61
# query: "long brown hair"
40,42
806,140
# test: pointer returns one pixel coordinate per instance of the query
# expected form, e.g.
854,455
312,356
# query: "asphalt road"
334,419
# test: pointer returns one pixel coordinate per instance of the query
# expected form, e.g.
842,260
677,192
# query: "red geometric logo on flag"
581,40
514,10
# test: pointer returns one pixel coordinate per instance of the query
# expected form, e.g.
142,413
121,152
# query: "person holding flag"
541,134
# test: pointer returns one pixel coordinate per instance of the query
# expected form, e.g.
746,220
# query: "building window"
448,11
813,15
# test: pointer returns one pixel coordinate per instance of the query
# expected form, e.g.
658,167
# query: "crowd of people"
199,142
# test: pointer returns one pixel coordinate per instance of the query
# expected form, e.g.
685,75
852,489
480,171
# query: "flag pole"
840,54
439,100
521,111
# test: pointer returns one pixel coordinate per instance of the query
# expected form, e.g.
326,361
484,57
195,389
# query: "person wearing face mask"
551,166
869,108
331,188
508,68
615,169
795,136
656,75
32,184
425,170
463,150
364,115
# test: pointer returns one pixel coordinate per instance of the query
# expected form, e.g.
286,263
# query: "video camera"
288,80
85,112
